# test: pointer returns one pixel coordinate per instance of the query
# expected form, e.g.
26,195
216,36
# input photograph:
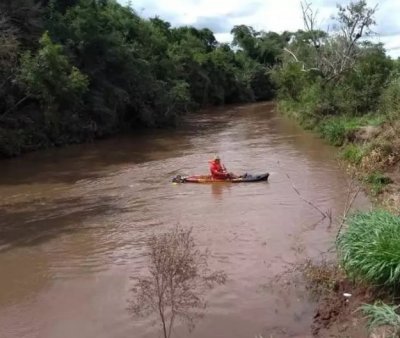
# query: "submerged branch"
327,214
350,199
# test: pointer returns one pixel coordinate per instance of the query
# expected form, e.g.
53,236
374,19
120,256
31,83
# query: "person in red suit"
218,170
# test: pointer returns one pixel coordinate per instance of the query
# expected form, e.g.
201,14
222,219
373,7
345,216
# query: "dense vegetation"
74,70
326,75
345,87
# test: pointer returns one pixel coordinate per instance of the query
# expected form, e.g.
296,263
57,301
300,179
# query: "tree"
178,277
334,72
8,60
102,69
9,43
26,16
363,85
245,38
333,55
49,77
60,5
263,47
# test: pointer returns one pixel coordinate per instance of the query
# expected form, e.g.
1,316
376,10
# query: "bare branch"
179,276
309,19
297,60
324,215
335,54
291,53
353,191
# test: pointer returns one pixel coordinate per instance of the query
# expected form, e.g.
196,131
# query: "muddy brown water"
73,223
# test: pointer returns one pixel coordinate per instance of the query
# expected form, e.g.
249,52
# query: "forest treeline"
75,70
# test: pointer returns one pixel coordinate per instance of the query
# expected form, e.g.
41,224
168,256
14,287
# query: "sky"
268,15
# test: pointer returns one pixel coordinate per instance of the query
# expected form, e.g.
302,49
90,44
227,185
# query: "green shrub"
390,100
291,80
335,130
377,181
369,249
50,77
352,153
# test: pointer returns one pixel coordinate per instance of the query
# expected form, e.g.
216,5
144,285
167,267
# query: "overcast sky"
269,15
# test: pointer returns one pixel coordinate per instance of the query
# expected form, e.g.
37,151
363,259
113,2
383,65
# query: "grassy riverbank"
356,107
368,247
369,146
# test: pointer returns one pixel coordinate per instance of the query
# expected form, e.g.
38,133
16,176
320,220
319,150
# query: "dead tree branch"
176,282
324,215
336,53
353,191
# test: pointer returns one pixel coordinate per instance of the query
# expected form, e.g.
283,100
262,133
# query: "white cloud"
274,15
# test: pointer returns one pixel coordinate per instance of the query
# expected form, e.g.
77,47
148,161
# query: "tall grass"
370,248
380,314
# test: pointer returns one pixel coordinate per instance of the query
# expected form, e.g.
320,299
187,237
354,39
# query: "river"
74,223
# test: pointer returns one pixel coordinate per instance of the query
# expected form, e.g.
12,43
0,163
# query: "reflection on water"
74,223
219,189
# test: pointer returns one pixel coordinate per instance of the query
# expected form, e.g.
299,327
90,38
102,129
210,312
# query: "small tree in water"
178,278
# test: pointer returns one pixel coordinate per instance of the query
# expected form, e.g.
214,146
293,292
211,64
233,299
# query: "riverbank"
367,264
368,147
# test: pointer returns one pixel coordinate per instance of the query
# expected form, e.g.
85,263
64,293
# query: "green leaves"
264,47
100,68
336,74
49,77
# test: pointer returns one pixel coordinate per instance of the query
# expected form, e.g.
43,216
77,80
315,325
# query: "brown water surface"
73,223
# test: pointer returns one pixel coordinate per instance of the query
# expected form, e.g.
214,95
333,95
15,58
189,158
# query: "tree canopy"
73,70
